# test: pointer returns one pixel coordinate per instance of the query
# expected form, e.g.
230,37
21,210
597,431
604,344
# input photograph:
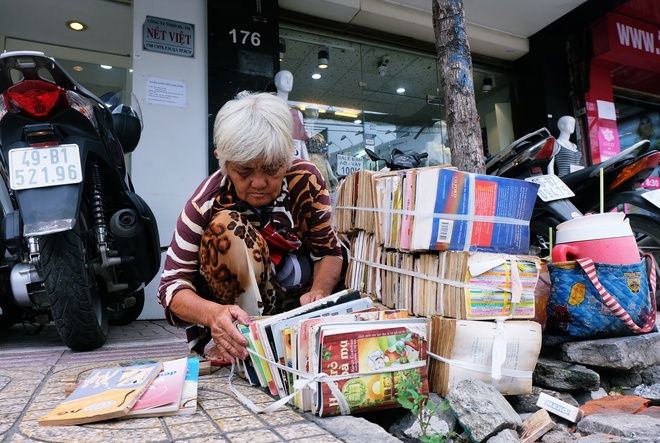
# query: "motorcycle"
561,199
622,178
529,158
398,159
79,243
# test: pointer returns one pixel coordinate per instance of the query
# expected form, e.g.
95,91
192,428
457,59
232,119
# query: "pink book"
164,393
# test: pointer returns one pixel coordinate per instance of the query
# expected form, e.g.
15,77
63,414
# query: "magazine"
164,394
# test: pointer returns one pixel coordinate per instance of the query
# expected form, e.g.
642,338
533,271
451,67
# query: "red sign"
626,41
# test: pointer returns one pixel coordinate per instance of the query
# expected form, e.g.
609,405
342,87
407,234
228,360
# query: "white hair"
254,126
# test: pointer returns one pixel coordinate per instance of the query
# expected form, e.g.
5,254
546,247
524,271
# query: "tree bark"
455,67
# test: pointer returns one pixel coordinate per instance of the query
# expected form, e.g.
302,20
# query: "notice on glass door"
166,92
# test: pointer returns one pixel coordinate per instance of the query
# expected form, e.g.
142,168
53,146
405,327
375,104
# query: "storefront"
623,101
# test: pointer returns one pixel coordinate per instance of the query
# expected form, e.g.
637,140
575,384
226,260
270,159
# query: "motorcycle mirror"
372,155
126,119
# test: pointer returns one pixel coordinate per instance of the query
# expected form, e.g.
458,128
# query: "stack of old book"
451,246
146,390
367,355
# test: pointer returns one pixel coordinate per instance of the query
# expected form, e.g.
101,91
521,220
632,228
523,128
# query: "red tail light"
35,98
547,151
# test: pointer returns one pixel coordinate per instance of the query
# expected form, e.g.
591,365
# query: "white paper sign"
166,92
347,164
606,110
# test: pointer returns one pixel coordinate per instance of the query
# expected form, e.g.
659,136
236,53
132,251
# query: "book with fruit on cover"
342,302
303,342
385,356
106,393
164,394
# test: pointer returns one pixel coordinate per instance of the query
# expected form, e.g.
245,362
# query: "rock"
622,353
527,403
481,409
585,396
353,429
649,392
637,428
603,438
623,382
441,423
651,411
505,436
615,404
651,376
562,376
559,434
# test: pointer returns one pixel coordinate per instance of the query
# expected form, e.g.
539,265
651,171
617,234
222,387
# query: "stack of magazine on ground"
145,390
369,355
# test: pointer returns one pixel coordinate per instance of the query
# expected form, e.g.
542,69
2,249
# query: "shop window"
380,98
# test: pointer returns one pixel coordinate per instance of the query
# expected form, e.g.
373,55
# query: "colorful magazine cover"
164,394
106,393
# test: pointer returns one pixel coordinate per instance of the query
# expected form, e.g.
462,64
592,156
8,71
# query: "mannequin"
569,157
438,152
284,85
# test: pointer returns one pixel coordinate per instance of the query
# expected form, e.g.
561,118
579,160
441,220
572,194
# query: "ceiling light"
76,25
323,59
357,121
78,68
106,66
487,85
400,90
316,76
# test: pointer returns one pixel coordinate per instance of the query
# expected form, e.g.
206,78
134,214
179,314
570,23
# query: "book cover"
472,212
408,206
267,338
261,363
304,342
104,394
469,343
188,404
253,371
164,393
383,355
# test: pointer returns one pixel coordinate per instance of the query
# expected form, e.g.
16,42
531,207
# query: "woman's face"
257,183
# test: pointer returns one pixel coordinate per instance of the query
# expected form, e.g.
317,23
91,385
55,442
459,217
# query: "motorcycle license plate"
41,167
552,187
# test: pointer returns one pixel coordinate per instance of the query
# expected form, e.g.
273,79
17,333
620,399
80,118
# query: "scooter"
398,159
79,243
529,158
622,178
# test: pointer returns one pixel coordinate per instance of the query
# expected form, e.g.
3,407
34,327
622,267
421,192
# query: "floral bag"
597,300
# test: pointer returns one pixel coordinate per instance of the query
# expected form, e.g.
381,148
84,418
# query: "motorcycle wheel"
120,315
647,233
77,307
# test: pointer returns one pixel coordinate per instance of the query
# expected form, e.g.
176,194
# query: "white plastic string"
438,215
307,379
515,373
439,279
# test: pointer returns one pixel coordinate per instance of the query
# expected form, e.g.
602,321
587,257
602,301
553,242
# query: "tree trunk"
455,66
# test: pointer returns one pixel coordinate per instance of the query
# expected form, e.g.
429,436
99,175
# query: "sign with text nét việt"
168,36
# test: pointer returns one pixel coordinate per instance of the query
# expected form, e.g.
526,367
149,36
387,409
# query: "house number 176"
253,37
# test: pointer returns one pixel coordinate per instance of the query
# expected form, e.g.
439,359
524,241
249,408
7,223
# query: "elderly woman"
255,237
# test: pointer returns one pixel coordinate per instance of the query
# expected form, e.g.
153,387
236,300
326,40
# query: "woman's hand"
221,319
311,296
229,342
